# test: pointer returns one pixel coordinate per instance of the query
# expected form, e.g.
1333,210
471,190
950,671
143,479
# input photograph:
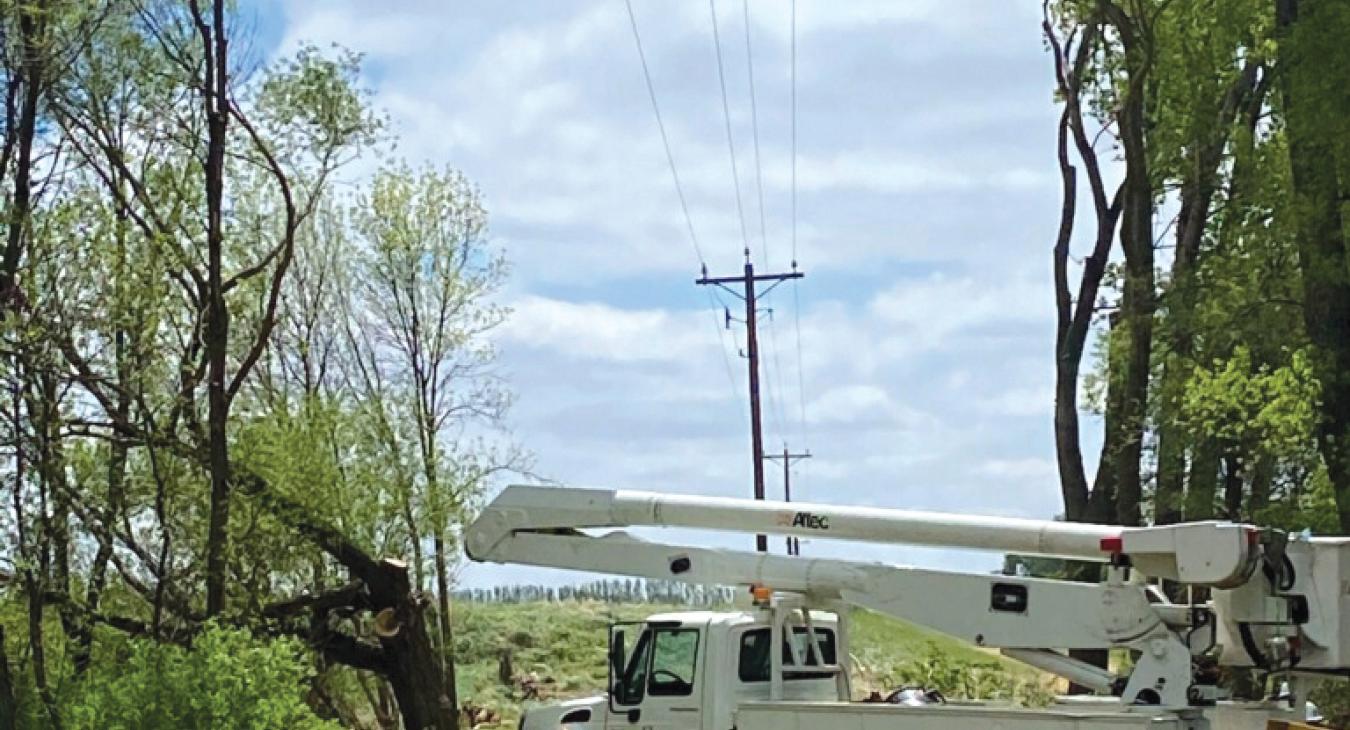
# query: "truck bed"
867,716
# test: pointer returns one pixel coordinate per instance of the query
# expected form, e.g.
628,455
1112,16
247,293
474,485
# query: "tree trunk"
414,536
1203,481
45,414
1180,302
443,613
1138,302
98,569
1232,486
1069,343
9,706
1102,506
37,646
414,669
405,656
378,699
1068,451
216,336
1263,475
1320,230
32,34
388,713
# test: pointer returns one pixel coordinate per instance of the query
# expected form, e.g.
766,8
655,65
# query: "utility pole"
748,281
788,458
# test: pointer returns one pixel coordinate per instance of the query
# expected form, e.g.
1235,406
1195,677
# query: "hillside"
563,645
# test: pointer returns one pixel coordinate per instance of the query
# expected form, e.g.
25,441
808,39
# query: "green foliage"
228,680
315,98
1312,507
1333,700
889,653
1269,409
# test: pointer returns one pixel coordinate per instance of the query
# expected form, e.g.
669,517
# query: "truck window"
635,675
673,662
754,660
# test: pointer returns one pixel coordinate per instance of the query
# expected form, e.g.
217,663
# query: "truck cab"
691,670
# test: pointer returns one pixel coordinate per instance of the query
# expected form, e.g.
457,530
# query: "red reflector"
1113,544
1253,537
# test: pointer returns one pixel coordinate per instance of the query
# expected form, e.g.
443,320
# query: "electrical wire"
775,380
684,203
754,126
776,407
665,139
726,116
796,298
722,347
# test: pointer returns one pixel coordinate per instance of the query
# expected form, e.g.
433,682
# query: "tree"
1073,51
1313,69
426,274
1208,102
150,296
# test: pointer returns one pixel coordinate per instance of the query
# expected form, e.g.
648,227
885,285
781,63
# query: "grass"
564,645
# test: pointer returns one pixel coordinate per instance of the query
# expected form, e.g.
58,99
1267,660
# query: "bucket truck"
1275,602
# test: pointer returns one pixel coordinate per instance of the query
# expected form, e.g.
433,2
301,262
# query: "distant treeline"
607,591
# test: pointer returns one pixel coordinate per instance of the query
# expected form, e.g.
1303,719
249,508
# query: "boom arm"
1287,612
1196,553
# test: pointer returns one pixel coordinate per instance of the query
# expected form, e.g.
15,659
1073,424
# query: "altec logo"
810,521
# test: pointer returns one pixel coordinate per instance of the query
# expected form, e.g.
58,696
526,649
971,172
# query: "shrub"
228,680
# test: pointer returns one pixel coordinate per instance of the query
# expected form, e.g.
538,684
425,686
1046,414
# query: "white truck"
1275,602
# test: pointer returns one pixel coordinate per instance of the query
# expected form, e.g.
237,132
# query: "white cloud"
881,172
385,35
1036,401
595,331
926,209
853,404
546,109
940,305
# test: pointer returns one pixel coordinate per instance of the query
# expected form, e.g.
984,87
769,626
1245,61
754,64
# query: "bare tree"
1074,50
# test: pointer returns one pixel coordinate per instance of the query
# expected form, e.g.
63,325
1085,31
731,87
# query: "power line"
665,139
754,126
801,364
776,403
776,377
793,75
726,116
679,191
796,299
722,346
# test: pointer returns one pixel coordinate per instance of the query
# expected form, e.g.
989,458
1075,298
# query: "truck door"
659,688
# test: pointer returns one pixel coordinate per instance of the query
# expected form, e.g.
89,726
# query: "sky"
927,204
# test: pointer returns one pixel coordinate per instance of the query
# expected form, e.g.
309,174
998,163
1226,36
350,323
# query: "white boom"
1275,604
1196,553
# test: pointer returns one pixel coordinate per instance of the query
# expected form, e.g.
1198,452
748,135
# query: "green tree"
426,274
1313,70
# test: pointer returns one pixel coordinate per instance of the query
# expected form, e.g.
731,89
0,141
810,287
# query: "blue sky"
927,207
